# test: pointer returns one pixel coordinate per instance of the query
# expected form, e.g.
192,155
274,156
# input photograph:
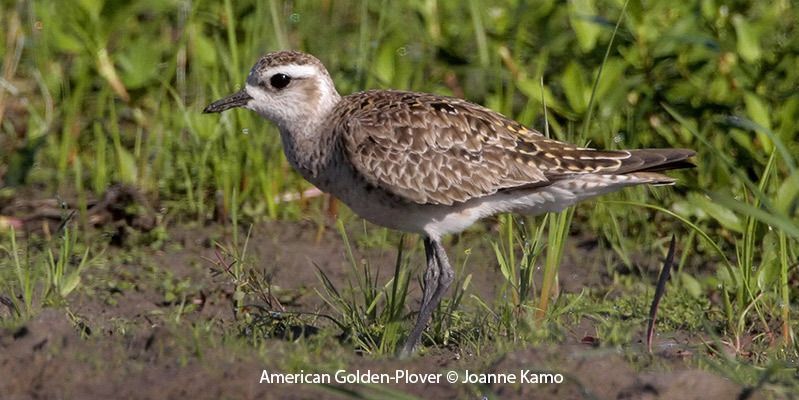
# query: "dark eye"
279,81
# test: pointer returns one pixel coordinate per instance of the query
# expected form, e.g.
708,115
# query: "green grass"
102,93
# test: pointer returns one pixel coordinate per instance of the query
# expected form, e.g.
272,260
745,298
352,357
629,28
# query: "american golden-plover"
429,164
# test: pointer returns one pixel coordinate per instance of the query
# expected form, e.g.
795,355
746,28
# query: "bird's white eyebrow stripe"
294,70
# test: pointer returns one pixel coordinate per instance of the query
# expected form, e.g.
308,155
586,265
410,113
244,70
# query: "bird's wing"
431,149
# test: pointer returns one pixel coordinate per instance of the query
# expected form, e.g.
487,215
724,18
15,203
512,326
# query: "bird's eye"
279,81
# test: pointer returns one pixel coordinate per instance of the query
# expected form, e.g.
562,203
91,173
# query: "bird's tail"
656,160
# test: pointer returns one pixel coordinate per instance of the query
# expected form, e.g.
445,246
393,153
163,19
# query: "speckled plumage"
431,149
429,164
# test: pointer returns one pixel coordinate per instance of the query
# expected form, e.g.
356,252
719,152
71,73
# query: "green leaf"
92,7
575,88
743,139
70,283
790,227
73,278
768,273
383,66
770,267
580,14
127,165
723,216
759,113
532,89
788,195
203,48
691,285
503,264
612,77
748,40
139,63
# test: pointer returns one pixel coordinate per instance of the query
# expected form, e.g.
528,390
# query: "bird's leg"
430,284
445,273
437,278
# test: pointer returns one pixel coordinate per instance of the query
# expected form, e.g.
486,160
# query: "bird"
429,164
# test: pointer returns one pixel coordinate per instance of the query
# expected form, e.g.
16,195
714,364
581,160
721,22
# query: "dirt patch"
50,360
151,323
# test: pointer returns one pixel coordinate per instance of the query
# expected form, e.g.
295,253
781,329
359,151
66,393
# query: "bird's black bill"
238,99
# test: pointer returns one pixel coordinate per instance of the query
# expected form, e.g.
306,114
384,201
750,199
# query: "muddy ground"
124,339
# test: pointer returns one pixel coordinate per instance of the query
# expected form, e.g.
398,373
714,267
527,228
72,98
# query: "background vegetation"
103,92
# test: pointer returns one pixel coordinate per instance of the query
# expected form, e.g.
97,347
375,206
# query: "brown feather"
432,149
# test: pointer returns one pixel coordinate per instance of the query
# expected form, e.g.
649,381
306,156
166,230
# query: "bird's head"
290,88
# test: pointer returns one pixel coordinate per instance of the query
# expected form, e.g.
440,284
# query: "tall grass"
373,314
44,278
99,93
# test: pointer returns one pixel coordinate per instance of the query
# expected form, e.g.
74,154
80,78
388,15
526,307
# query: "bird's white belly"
381,208
433,220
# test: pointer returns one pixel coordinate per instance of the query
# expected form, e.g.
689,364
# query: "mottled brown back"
432,149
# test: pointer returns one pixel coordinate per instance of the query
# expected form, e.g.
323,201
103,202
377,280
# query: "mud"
124,339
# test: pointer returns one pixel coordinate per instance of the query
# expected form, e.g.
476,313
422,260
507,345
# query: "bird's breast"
368,201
